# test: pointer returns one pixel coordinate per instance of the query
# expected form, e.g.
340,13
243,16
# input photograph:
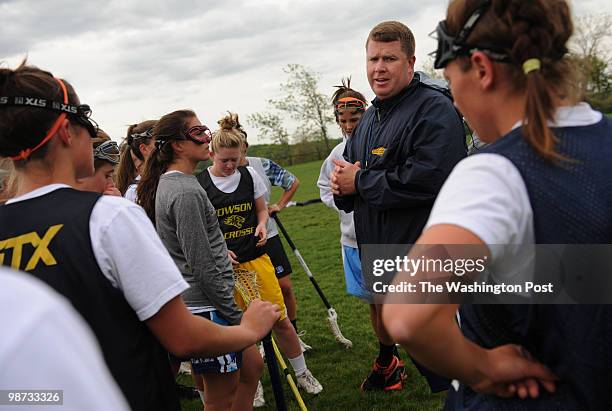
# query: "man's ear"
412,60
483,69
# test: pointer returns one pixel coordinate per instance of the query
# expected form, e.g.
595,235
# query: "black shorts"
276,252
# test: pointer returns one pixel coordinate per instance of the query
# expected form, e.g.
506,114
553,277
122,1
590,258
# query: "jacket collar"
387,104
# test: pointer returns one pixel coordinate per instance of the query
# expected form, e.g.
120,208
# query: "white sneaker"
259,400
308,382
305,347
185,368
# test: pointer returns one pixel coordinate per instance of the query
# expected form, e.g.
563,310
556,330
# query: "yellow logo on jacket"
41,248
379,151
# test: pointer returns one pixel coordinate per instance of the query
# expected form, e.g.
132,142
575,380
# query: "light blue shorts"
352,273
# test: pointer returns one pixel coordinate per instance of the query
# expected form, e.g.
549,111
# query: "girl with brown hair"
89,241
187,224
349,105
510,75
136,148
106,157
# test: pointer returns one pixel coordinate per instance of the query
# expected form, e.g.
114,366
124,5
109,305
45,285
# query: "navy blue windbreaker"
407,145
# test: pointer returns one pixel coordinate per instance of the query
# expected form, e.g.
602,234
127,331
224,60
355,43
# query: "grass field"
315,231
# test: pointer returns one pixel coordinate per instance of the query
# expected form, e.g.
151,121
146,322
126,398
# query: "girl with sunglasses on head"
549,153
83,245
349,105
106,157
187,224
136,148
237,193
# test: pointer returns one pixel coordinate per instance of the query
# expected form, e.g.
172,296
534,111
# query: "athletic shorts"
355,284
276,252
267,283
222,364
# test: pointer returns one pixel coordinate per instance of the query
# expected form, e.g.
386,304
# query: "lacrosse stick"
245,282
332,316
287,373
303,203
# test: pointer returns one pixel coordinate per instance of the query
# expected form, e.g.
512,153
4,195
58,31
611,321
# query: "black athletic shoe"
389,378
187,393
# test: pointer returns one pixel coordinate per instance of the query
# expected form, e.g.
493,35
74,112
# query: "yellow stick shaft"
292,385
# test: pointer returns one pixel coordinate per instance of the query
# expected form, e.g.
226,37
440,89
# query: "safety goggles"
449,47
79,113
145,134
199,134
350,103
108,151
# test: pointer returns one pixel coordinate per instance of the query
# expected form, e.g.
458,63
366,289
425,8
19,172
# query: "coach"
400,154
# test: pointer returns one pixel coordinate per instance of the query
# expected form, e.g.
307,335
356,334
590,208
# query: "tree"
592,55
302,101
270,125
428,68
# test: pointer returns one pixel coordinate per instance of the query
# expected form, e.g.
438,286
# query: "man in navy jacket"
402,151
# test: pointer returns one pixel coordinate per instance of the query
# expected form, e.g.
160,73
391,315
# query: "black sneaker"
389,378
187,393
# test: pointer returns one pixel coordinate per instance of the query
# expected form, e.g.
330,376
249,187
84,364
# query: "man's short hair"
389,31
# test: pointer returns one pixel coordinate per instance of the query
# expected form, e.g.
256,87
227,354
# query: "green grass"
315,231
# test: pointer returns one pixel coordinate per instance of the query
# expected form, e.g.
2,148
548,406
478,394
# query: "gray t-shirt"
188,226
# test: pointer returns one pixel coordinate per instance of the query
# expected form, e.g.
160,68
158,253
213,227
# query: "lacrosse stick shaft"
303,203
301,261
332,317
246,286
281,362
275,379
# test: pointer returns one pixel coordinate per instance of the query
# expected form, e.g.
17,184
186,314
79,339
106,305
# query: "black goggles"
449,48
81,114
107,151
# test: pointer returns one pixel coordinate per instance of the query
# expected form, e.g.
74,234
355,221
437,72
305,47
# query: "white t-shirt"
46,345
347,223
229,184
486,195
129,252
130,192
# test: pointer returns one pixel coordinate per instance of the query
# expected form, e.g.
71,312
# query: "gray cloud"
135,59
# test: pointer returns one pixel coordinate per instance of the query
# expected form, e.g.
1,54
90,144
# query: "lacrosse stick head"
245,283
332,320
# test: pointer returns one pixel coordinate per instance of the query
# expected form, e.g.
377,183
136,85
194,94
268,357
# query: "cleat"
259,400
390,378
308,383
185,368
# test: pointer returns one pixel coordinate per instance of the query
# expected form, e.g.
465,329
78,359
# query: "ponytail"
539,109
534,35
166,129
126,170
155,166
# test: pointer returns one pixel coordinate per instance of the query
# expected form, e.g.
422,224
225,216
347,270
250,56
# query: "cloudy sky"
132,60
